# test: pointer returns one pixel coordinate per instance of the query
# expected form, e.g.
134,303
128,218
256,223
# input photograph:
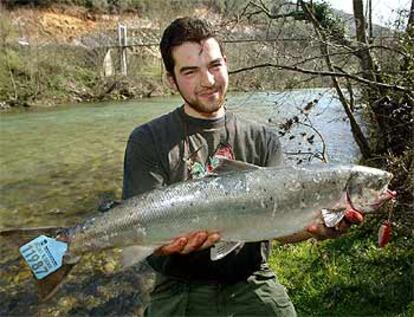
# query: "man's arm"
142,169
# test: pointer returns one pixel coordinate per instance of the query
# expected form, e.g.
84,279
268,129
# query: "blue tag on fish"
43,255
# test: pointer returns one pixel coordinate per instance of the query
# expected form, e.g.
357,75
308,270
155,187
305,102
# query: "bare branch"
310,125
351,95
356,129
296,14
324,73
303,61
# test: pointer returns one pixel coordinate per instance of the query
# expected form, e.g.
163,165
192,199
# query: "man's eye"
216,65
190,72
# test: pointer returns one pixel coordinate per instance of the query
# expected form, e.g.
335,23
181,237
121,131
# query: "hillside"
55,54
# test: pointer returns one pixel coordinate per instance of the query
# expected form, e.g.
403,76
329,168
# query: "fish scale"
242,202
275,201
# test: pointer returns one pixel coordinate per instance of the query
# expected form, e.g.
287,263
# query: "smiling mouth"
208,93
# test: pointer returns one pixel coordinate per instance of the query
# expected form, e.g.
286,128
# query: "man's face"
200,76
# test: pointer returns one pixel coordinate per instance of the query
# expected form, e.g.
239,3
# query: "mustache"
208,91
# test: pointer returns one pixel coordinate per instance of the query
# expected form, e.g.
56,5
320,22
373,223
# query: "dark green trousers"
259,295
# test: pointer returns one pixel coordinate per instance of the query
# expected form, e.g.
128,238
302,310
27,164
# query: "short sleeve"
142,168
274,155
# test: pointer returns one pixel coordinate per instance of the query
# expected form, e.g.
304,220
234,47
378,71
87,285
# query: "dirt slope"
64,25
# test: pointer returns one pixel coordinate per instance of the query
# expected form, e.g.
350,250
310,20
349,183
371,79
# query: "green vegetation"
145,7
43,75
51,71
352,276
40,75
55,74
349,276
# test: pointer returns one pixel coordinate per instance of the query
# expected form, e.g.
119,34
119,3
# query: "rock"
109,267
4,106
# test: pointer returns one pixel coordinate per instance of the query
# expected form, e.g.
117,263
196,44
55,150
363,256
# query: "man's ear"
171,81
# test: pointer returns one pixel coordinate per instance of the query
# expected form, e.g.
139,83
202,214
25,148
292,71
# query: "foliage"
226,8
328,19
42,74
349,276
147,7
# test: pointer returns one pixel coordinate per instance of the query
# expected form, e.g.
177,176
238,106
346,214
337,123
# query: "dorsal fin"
227,166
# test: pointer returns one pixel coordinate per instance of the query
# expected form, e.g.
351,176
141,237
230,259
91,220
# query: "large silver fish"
241,202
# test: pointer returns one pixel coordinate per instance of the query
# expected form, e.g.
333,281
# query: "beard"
206,106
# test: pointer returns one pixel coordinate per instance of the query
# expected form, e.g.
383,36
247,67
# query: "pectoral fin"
222,248
331,218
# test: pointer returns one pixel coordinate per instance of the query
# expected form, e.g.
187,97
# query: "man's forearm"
295,237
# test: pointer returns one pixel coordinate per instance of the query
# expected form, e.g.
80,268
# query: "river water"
57,166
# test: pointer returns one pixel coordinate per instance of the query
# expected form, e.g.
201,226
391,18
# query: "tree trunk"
374,97
410,24
370,28
355,128
367,62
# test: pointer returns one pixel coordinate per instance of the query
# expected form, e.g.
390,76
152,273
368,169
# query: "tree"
348,63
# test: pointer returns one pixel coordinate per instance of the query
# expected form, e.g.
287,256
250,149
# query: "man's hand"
321,232
191,242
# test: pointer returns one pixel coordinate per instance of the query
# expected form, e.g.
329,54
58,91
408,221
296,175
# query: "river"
59,165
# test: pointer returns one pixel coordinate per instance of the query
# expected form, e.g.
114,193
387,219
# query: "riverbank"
51,56
64,54
58,166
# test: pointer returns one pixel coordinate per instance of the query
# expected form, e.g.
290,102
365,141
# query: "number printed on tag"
43,255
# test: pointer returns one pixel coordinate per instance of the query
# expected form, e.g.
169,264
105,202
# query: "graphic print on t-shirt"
199,170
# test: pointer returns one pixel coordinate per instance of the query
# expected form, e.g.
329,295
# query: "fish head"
367,188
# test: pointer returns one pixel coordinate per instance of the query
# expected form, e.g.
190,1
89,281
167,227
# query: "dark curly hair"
187,29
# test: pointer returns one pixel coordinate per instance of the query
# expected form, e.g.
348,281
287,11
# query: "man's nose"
207,79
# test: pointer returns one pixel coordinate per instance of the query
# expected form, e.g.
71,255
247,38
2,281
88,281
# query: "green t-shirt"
176,147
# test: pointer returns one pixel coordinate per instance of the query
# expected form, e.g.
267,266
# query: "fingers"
351,217
195,241
354,217
321,232
186,244
174,247
210,241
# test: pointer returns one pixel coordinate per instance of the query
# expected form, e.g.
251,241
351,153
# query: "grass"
349,276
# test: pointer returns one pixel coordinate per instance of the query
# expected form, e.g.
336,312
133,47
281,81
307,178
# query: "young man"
182,145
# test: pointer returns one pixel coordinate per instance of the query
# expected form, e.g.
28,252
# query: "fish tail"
47,287
45,252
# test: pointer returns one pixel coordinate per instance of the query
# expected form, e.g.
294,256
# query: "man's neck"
204,115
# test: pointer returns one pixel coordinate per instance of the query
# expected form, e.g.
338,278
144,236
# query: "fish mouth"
385,196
